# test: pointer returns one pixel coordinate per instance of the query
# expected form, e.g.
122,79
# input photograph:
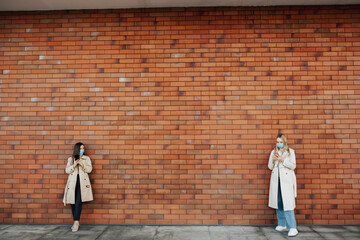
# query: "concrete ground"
173,232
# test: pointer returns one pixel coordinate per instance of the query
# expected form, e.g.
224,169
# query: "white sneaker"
280,228
293,232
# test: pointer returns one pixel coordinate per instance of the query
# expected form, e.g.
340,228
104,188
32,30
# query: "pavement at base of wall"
174,232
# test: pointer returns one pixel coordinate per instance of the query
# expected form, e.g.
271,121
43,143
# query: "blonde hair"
283,138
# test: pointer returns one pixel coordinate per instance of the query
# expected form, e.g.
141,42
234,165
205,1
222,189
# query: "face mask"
280,145
82,152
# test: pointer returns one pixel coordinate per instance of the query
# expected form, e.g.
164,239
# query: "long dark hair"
76,151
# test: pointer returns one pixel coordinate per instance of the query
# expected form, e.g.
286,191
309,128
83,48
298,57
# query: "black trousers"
76,208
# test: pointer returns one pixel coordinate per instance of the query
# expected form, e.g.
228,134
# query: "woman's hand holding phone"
80,163
275,157
76,162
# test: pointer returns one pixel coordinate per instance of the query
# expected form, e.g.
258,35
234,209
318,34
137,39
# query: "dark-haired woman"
282,194
78,187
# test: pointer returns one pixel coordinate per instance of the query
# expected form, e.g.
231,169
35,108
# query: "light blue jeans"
285,218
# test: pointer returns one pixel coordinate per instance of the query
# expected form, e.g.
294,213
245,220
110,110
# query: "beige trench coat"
85,186
287,180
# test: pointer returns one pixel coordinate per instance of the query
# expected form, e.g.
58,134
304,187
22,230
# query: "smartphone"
76,157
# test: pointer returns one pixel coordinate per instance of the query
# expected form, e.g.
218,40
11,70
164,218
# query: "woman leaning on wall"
282,194
78,187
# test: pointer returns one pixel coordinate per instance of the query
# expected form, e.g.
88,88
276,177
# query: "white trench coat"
287,180
85,185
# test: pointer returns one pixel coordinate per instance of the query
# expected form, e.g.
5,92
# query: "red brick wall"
179,109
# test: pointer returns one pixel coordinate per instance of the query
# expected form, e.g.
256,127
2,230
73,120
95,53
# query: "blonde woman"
282,194
78,187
